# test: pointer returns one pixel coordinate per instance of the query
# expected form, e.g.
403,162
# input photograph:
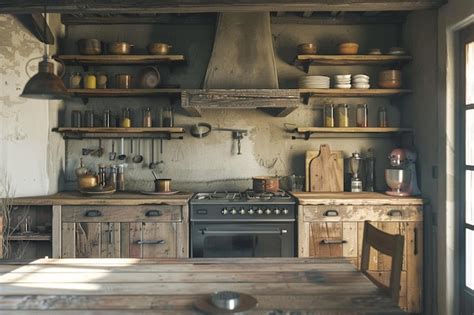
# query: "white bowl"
361,76
361,86
342,77
342,86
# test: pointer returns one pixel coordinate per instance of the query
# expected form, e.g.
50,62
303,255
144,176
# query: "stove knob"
233,211
285,211
242,211
259,211
224,211
276,211
251,211
268,211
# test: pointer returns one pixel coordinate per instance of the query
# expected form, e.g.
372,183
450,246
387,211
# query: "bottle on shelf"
383,119
343,115
362,115
329,115
147,121
126,118
106,118
168,119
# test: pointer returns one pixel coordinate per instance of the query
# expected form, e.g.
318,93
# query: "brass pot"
120,48
163,185
87,181
123,81
265,184
159,48
89,46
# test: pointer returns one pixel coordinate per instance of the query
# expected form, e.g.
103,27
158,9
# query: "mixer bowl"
398,180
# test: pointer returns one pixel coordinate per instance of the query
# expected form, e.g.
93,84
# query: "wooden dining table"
172,286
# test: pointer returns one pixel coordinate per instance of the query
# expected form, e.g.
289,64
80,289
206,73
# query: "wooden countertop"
348,198
118,198
172,286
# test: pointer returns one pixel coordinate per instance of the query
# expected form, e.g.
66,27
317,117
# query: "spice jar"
106,118
383,120
101,80
329,115
168,120
147,123
343,115
90,81
75,80
76,119
126,118
362,116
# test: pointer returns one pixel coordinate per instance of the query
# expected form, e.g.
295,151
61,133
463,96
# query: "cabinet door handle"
395,213
331,213
328,242
153,213
145,242
93,213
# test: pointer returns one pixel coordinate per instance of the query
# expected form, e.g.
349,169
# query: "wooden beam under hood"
201,6
278,102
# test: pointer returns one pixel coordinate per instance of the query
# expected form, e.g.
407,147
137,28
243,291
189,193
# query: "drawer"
149,213
362,213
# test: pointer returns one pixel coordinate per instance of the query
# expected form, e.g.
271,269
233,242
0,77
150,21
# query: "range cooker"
242,224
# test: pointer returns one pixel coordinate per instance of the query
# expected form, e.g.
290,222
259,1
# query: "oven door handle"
220,232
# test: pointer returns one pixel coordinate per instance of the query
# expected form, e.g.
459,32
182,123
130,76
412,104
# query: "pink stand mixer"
401,176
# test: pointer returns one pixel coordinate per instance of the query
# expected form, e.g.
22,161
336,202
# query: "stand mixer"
401,176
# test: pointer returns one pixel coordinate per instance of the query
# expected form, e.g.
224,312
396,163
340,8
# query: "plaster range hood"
242,73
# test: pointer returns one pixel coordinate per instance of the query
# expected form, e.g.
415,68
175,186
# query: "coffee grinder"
355,162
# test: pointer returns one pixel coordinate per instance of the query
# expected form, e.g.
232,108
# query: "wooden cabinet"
336,231
151,231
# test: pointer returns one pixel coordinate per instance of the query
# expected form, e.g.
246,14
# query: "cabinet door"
332,239
152,240
91,240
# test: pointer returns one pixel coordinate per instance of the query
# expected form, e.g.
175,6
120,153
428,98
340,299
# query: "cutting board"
324,170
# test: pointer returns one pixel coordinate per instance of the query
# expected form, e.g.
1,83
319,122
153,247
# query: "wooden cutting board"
324,170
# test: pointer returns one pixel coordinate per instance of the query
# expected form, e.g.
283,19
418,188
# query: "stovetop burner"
245,196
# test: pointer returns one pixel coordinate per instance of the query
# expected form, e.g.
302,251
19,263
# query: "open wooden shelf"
119,59
341,60
123,92
30,237
307,93
118,132
308,131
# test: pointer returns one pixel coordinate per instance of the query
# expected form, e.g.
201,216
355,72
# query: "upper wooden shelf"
122,92
306,93
341,60
119,59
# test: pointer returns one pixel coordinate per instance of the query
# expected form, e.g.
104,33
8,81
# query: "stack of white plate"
342,81
313,82
360,81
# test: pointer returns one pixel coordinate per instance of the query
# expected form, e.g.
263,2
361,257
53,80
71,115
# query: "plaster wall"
25,160
212,163
452,17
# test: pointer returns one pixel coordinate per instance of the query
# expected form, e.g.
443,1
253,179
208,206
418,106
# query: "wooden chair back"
390,245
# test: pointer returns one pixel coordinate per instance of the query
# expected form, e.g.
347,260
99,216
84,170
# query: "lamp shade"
45,84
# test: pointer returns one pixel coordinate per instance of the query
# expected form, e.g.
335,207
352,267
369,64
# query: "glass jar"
106,118
383,119
329,115
343,115
362,116
90,81
168,120
89,119
101,80
75,80
147,122
76,119
126,118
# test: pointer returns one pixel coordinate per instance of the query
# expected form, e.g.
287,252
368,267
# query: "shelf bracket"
306,136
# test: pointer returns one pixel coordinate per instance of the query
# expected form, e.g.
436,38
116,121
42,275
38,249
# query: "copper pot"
266,184
123,81
159,48
87,181
163,185
120,48
89,46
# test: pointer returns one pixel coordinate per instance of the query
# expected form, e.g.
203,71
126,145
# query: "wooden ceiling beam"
35,23
201,6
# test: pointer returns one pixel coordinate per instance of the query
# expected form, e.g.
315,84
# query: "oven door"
242,239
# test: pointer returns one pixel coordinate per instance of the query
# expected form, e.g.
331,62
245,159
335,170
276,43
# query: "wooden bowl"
348,48
390,84
307,49
390,75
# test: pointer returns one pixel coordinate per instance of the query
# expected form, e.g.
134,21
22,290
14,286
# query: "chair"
390,245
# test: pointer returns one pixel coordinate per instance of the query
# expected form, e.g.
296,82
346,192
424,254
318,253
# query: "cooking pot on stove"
266,184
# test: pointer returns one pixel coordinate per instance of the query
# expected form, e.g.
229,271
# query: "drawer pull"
395,213
331,213
150,242
93,213
153,213
328,242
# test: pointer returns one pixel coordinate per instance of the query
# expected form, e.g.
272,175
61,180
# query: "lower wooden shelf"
118,132
30,237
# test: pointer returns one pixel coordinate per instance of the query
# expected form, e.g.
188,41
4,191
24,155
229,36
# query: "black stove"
243,224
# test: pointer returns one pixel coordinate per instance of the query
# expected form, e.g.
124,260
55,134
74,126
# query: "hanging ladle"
201,130
138,158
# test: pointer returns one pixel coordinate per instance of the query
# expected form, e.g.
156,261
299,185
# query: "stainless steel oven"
232,225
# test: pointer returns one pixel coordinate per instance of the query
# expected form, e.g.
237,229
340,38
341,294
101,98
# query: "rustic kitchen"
237,157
